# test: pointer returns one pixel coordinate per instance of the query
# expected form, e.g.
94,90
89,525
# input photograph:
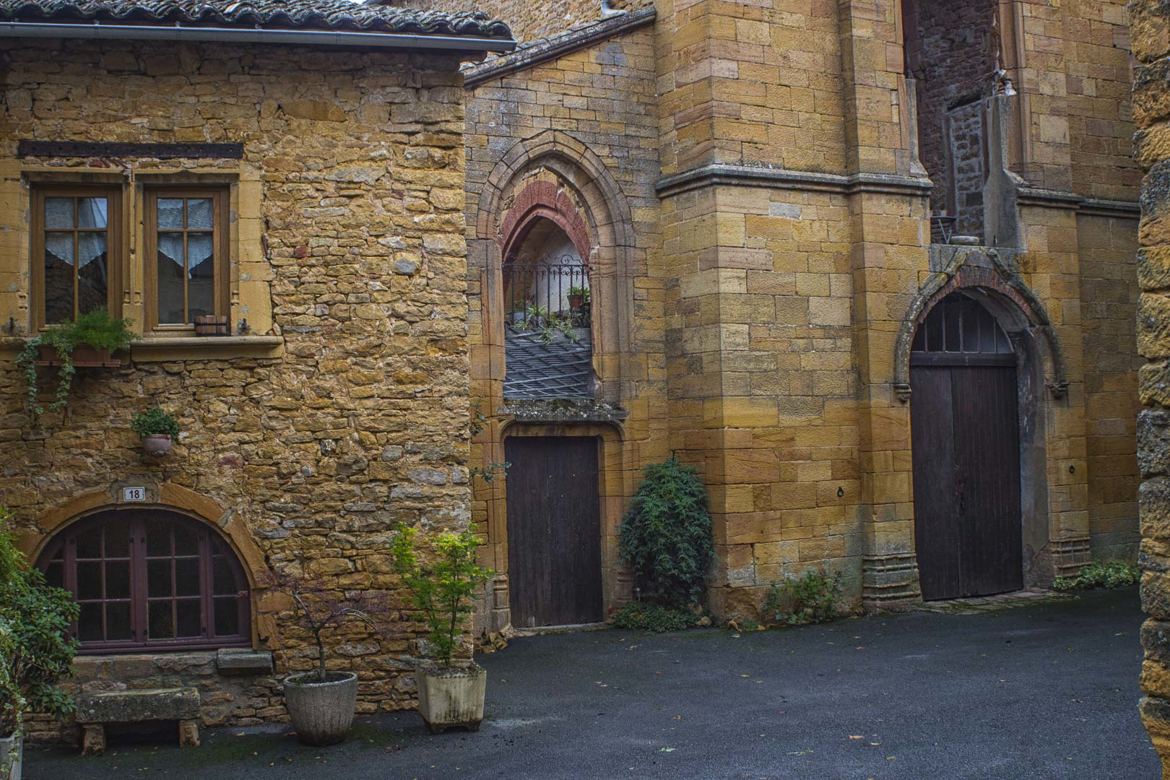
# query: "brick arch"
1016,307
543,200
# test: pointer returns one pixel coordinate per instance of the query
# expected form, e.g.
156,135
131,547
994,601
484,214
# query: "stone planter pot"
321,712
451,696
156,444
11,756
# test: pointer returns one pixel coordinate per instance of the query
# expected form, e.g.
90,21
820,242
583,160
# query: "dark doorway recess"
966,453
554,531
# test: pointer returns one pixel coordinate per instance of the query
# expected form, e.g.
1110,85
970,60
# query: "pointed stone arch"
1006,295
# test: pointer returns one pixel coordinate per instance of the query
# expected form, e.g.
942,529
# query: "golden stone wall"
347,410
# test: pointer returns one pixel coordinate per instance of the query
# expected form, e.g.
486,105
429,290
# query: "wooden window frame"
115,247
63,549
220,241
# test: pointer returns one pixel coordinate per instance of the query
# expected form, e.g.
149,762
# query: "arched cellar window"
548,350
149,579
959,330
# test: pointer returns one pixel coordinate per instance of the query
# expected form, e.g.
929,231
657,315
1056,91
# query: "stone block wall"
1150,28
351,414
576,132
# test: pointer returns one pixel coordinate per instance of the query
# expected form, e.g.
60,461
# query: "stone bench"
95,710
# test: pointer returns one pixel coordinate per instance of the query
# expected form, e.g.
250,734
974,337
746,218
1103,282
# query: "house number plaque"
133,494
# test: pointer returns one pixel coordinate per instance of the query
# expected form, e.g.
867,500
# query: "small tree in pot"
442,581
36,649
321,703
158,430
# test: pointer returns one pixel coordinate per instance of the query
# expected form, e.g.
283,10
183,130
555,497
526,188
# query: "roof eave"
178,32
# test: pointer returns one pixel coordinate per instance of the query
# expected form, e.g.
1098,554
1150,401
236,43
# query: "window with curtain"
74,246
187,255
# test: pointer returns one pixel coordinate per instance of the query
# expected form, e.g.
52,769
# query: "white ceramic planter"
321,712
11,757
156,444
451,696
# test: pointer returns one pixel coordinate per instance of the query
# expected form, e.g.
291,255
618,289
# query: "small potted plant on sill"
158,430
321,703
35,648
90,341
450,691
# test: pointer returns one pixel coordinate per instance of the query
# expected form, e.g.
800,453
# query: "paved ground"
1038,691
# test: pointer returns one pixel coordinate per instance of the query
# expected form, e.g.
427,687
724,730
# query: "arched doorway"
965,434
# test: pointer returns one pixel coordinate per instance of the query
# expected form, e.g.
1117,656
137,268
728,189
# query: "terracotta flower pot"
451,696
321,712
576,302
156,444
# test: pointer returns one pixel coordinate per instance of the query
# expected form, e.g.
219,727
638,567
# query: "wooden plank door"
965,435
554,531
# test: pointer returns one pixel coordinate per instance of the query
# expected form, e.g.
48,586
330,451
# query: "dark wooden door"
554,531
966,453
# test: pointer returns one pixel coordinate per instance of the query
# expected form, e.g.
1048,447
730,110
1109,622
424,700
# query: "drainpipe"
177,32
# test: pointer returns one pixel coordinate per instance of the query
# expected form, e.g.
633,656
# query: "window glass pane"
187,611
186,542
117,539
187,577
971,321
89,625
118,621
92,272
59,213
170,278
158,538
951,313
58,277
158,578
55,574
89,580
227,617
225,578
118,580
89,543
92,212
201,281
159,623
199,214
170,213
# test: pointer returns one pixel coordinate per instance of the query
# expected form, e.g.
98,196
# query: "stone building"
295,168
867,264
1150,25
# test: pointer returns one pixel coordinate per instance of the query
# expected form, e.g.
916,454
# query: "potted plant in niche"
90,341
443,577
577,297
320,702
35,648
158,430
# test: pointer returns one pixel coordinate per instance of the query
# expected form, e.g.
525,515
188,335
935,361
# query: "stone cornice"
786,179
545,49
1070,201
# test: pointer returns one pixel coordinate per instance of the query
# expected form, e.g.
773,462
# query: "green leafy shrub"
1106,574
665,536
34,629
95,329
813,597
153,422
644,616
442,581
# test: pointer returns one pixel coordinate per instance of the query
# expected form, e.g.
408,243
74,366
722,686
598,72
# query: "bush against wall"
813,597
1106,574
665,536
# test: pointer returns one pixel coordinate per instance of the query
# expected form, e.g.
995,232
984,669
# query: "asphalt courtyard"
1047,690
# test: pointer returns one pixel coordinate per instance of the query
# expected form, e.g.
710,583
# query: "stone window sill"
153,349
156,349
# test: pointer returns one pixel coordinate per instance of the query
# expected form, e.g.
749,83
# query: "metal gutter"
179,32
